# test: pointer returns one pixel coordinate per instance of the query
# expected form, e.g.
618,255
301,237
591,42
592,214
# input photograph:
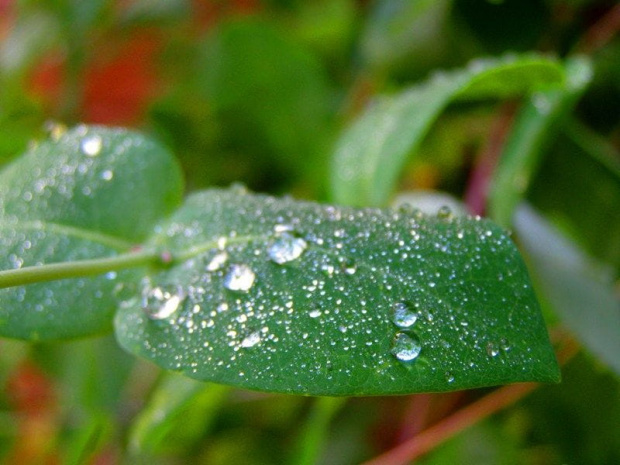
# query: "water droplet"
492,349
107,175
91,145
238,188
348,267
315,312
251,340
239,278
282,228
449,377
217,262
405,347
161,302
407,209
403,315
504,344
286,248
444,213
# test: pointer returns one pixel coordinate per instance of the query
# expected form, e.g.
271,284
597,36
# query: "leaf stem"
76,269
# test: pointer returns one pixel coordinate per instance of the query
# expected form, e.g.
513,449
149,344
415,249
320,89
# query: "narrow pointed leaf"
534,128
87,193
296,297
584,299
177,414
372,152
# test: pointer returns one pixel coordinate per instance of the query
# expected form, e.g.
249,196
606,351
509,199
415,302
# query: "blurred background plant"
260,92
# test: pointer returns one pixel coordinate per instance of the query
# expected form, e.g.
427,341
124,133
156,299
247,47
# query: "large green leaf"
371,153
287,296
88,193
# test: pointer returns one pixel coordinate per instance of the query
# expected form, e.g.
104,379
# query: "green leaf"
532,131
581,191
177,414
248,66
286,296
396,35
313,436
90,193
371,153
581,295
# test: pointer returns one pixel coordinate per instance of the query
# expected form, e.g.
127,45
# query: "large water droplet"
161,302
286,248
406,347
239,278
449,377
251,340
91,145
403,315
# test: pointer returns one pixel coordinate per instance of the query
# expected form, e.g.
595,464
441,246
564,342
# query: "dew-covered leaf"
90,192
279,295
370,155
579,292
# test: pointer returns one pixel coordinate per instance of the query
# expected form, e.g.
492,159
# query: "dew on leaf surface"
286,248
162,302
91,145
239,278
251,340
406,347
217,262
492,350
445,213
403,315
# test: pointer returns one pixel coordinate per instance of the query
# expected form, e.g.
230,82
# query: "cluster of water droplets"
406,346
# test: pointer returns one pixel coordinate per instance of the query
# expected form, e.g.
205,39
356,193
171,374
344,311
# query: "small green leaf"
581,296
87,193
371,153
286,296
533,129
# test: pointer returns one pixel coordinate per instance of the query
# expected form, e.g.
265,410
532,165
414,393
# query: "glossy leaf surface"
86,193
286,296
372,152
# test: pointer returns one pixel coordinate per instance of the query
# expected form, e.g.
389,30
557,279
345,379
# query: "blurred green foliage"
260,92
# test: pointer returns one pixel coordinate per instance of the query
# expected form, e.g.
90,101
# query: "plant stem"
469,415
76,269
